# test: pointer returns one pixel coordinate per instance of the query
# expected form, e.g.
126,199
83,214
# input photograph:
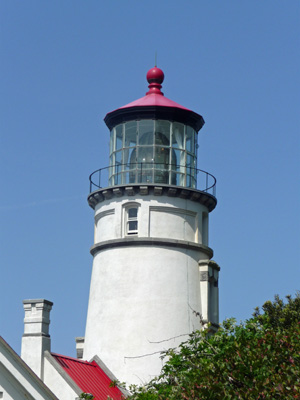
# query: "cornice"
149,241
195,195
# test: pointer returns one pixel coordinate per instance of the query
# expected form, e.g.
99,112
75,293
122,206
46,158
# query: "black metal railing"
153,173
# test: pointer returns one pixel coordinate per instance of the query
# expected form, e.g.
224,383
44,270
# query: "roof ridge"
73,359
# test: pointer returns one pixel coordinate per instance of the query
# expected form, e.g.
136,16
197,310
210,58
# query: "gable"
88,376
17,380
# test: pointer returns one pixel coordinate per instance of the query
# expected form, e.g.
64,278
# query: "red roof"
154,106
154,99
89,377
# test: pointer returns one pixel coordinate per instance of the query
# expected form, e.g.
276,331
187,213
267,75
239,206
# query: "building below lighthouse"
151,260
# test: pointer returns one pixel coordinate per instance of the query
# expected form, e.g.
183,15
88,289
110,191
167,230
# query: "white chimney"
79,347
36,338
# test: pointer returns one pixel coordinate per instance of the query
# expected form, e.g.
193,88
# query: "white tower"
151,265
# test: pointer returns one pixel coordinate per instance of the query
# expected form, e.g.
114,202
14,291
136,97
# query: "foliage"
257,359
87,396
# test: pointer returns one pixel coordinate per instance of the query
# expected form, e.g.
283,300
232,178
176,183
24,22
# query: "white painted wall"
57,381
155,220
105,225
36,337
209,291
173,223
144,294
11,388
17,380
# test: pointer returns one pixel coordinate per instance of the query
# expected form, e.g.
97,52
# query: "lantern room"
153,140
153,151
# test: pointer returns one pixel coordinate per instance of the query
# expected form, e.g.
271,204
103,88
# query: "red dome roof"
154,97
154,104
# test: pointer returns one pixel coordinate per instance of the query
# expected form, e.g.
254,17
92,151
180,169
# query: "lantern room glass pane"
179,179
119,137
145,155
130,177
178,136
112,141
146,130
161,174
118,156
129,154
161,155
190,141
190,171
112,160
162,132
116,179
145,175
130,134
188,180
179,159
190,161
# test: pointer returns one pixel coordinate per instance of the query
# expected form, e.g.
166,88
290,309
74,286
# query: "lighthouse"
153,273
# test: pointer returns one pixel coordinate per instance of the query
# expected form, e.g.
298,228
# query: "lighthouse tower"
152,267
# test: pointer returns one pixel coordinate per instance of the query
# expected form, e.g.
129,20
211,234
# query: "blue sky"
65,64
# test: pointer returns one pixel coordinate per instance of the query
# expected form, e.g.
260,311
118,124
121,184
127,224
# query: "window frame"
127,219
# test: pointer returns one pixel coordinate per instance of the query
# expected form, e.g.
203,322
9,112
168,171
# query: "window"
153,151
132,220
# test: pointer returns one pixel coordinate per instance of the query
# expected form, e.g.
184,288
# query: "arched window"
131,213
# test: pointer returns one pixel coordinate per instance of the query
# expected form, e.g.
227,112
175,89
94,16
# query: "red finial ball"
155,75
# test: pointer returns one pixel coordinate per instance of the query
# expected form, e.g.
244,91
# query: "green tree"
87,396
257,359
